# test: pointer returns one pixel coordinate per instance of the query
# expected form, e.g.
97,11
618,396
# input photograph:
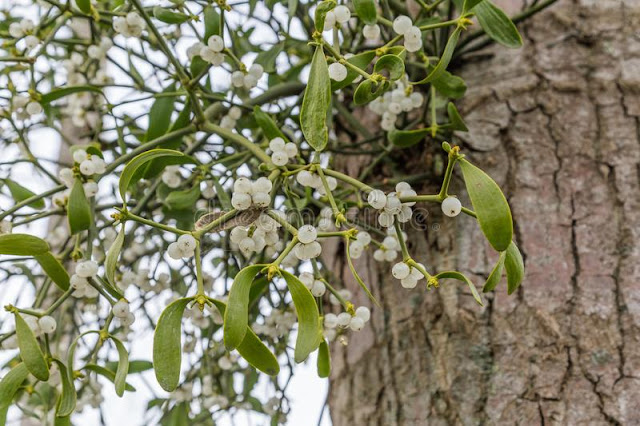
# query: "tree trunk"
556,123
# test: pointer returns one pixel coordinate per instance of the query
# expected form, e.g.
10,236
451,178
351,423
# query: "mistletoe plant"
197,178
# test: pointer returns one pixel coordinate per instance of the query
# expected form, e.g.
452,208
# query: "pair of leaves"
369,90
445,58
316,102
511,260
29,245
78,208
490,205
167,345
497,24
20,193
112,256
237,314
392,65
461,277
160,114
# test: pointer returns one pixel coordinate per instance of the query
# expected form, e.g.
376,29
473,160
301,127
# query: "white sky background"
306,391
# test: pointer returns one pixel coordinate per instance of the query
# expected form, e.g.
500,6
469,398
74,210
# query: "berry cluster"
408,276
248,79
401,99
263,234
390,206
282,152
129,26
339,15
332,322
403,25
184,247
307,248
247,193
85,270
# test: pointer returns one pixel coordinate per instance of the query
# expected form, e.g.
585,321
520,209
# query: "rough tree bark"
556,123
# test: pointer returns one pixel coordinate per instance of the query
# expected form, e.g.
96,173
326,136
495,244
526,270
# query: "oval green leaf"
84,5
269,127
211,22
160,114
9,385
54,269
56,94
406,138
497,24
392,64
309,330
445,58
107,374
454,118
366,10
490,205
324,360
496,274
167,345
168,16
449,85
120,379
185,199
20,193
316,102
78,209
514,265
126,178
236,317
67,402
30,351
461,277
22,245
112,256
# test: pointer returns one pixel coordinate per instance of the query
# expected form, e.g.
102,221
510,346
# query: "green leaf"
107,374
309,330
461,277
316,102
366,10
267,58
112,256
56,94
126,178
22,245
168,16
78,209
84,5
369,90
236,316
9,385
324,360
406,138
447,54
449,85
185,199
455,119
20,193
167,345
362,61
268,125
495,276
321,13
120,380
514,265
490,205
252,349
160,115
469,4
67,402
30,351
54,269
211,22
392,64
497,24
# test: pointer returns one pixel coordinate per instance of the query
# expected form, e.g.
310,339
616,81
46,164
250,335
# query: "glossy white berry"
237,79
262,184
186,243
356,249
329,21
241,201
393,204
242,185
256,70
77,282
86,269
215,43
409,281
128,320
79,155
87,168
377,199
402,24
385,219
247,244
337,71
342,13
90,188
413,35
371,32
451,206
363,237
356,324
279,158
330,320
291,149
120,309
400,270
235,113
307,279
344,318
277,144
174,251
363,313
47,324
307,234
318,289
261,199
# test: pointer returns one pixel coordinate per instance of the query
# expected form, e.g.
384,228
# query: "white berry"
363,313
342,14
318,289
377,199
402,24
371,31
47,324
121,309
400,270
337,71
451,206
356,324
307,234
